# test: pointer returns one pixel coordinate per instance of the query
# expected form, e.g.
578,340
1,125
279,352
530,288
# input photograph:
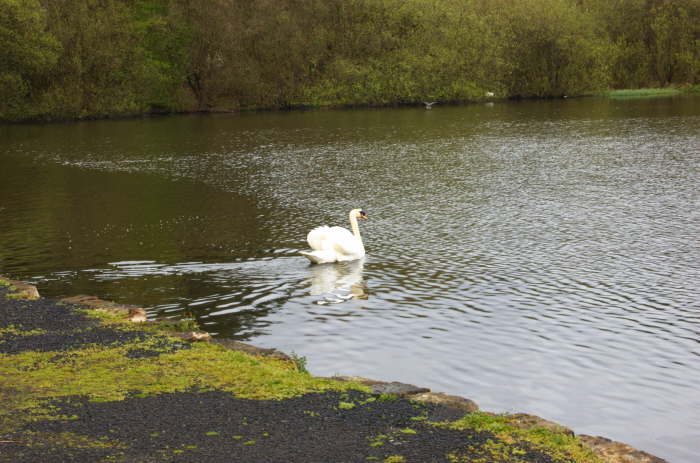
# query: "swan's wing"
344,242
318,237
324,237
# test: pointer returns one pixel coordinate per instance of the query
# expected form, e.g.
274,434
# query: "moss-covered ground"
84,386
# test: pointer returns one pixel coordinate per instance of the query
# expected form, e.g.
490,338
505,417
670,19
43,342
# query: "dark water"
541,257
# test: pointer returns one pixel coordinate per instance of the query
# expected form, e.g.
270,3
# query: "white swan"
336,244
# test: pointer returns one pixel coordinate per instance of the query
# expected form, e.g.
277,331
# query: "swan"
336,244
429,104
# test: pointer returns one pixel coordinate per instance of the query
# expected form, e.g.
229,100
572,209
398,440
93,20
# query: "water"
539,257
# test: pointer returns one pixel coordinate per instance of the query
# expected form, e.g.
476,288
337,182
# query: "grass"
643,93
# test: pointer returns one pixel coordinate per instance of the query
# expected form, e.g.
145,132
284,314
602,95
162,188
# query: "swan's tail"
317,257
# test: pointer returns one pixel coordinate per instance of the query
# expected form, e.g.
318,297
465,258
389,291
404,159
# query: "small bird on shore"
489,94
429,104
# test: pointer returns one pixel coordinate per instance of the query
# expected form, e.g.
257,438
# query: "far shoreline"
618,94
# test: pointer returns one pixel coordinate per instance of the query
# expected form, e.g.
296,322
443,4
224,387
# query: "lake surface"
539,257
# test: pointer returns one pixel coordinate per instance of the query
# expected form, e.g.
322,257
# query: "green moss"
171,325
106,373
510,443
105,317
4,282
346,405
12,330
68,440
378,441
18,296
395,459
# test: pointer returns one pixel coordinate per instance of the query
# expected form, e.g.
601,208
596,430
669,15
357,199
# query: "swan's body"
336,244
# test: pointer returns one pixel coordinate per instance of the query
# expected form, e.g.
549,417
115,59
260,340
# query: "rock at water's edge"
106,306
451,401
252,350
616,452
525,421
23,288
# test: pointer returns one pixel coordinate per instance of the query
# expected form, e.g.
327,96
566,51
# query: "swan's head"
359,214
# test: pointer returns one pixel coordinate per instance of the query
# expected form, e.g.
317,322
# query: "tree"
551,47
27,55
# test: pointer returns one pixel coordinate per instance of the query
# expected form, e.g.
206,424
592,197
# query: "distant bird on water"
489,94
429,104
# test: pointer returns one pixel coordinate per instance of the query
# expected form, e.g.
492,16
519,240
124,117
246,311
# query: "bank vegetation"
67,59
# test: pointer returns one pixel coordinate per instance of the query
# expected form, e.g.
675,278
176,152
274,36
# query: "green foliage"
552,48
300,362
65,59
654,43
27,55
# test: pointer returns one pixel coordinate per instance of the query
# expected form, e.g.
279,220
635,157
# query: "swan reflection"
338,282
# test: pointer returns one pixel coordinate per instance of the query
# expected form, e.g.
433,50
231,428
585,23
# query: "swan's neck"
355,228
